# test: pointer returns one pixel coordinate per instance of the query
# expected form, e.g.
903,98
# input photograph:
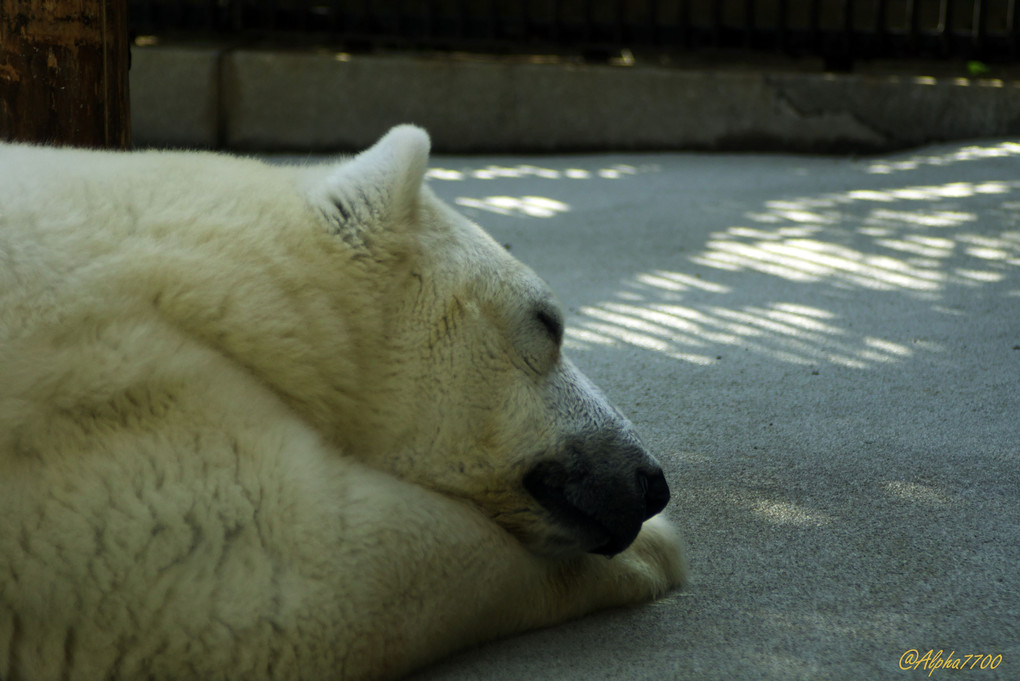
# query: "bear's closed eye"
552,324
352,405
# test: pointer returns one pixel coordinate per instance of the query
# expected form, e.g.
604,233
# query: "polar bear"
301,423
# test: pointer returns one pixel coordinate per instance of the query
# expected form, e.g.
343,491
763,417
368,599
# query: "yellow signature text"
934,660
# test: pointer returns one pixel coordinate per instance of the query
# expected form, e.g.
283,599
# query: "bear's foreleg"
458,579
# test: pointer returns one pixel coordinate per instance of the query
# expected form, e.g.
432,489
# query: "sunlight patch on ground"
785,513
895,240
915,492
811,260
910,257
675,281
972,153
915,240
520,206
790,332
528,206
495,172
819,209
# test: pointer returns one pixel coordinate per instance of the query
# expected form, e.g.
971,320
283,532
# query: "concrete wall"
272,100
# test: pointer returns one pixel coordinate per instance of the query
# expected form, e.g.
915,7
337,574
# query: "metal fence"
840,31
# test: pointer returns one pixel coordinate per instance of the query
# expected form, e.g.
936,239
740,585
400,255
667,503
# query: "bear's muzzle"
601,489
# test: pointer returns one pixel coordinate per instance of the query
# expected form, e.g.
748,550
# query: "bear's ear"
377,187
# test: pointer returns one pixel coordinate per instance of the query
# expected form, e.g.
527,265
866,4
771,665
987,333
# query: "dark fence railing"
841,31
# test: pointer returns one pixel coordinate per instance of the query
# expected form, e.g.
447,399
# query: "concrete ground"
825,355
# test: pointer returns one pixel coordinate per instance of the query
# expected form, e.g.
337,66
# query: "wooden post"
64,72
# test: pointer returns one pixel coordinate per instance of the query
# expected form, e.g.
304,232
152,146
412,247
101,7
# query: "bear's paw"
652,566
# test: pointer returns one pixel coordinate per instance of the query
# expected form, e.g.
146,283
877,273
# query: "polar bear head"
467,390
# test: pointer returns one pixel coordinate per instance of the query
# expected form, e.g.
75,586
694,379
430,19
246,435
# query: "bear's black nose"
602,502
656,491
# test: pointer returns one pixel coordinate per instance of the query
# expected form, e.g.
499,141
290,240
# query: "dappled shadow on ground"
531,206
834,522
824,354
914,240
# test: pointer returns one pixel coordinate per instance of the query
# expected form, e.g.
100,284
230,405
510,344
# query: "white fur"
262,422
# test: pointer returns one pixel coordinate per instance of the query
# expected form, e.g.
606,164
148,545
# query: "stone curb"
318,101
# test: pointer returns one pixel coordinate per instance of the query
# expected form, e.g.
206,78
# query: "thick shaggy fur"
261,422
